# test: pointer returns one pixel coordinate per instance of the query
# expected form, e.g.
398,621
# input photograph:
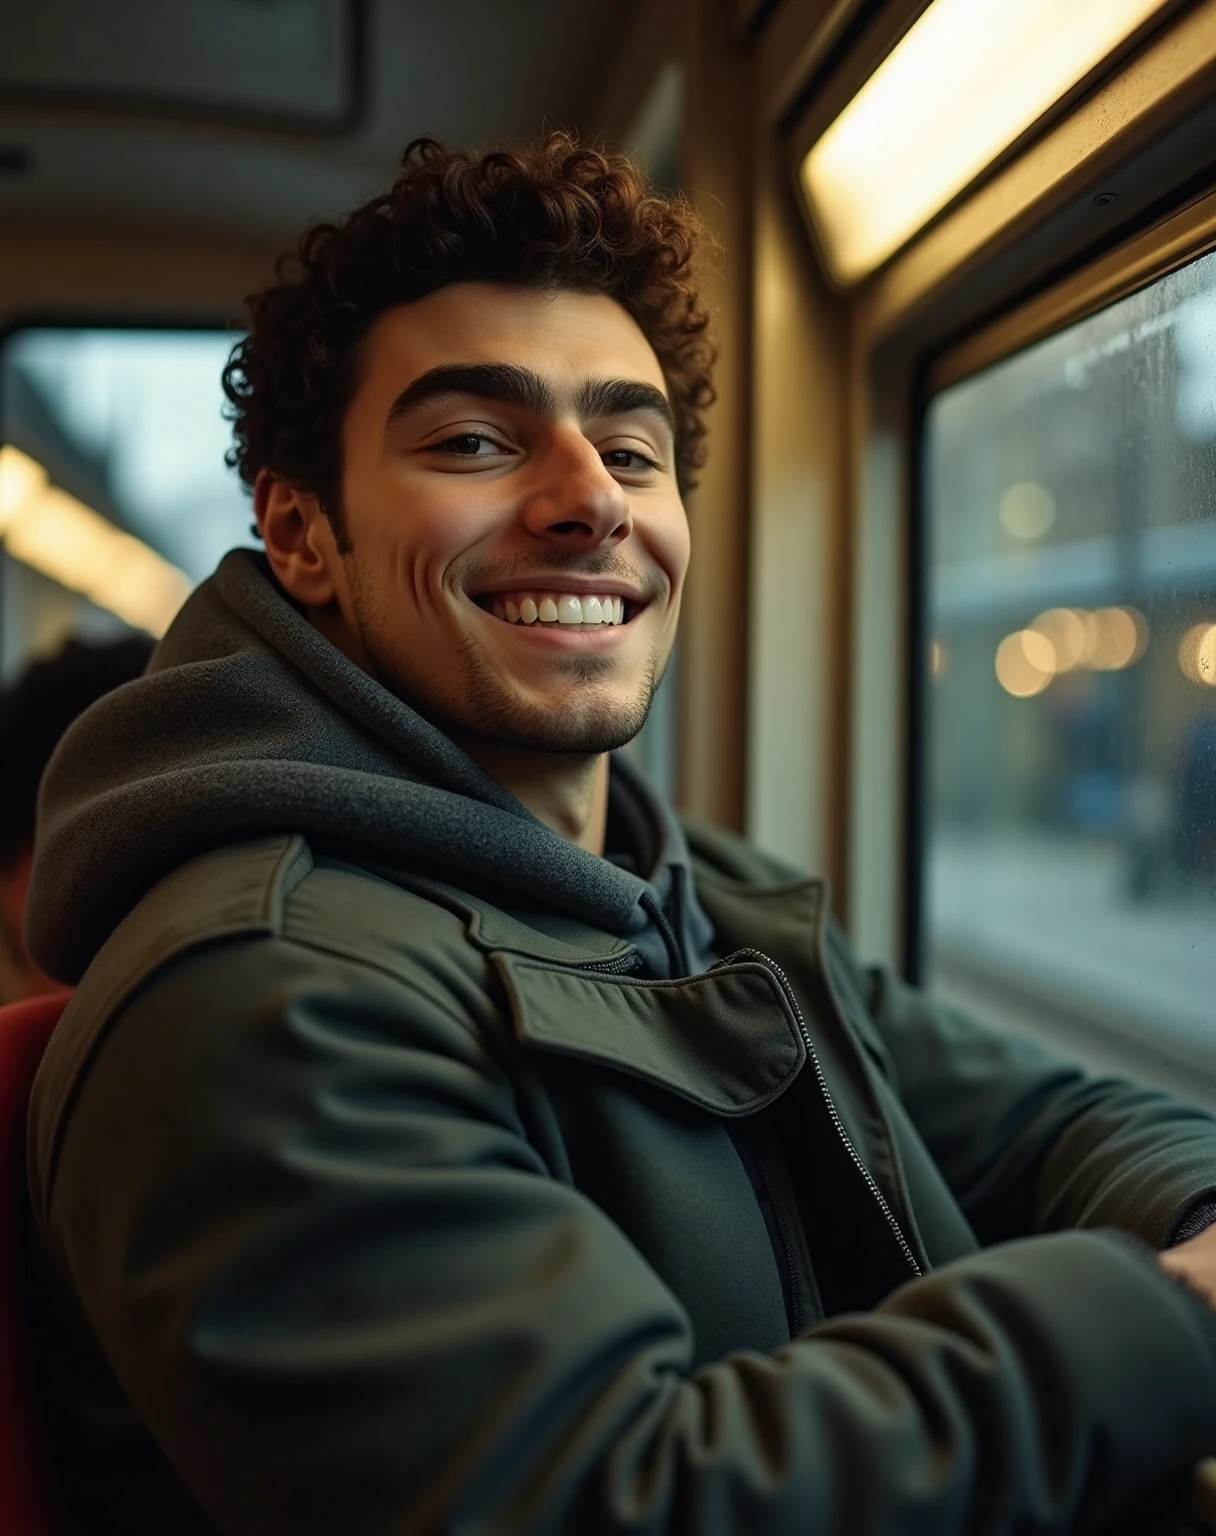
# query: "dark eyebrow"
488,381
621,397
521,387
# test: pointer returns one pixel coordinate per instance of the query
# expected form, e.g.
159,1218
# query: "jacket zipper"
834,1115
630,960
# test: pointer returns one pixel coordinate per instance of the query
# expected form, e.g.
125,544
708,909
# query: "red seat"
26,1506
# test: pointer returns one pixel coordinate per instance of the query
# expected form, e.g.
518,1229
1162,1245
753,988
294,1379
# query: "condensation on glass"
115,498
1071,799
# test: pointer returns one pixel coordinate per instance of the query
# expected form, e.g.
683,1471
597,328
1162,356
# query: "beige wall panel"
712,679
653,38
877,674
83,272
798,608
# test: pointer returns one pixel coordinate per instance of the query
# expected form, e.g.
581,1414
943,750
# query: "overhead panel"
963,84
293,63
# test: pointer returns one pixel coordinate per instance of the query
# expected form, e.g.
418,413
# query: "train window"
114,495
1070,816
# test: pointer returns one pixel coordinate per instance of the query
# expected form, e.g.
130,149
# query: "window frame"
1030,247
1135,264
1128,268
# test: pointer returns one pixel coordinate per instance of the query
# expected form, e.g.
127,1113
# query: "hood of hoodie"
249,722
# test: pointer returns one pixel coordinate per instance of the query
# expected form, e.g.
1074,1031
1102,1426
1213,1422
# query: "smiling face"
516,542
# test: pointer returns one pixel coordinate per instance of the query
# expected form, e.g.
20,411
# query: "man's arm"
299,1208
1027,1140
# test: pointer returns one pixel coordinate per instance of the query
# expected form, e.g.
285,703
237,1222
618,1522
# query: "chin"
584,728
584,718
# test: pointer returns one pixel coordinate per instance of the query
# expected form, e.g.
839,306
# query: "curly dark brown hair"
554,215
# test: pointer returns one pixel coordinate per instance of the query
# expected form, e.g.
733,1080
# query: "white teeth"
564,608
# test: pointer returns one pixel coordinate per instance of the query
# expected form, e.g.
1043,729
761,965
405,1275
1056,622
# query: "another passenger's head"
475,400
35,711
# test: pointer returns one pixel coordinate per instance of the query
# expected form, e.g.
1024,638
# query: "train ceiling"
253,116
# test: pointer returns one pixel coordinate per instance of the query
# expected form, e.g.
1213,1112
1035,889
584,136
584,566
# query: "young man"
440,1138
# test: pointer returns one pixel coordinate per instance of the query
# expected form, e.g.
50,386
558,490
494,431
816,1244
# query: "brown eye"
627,458
466,444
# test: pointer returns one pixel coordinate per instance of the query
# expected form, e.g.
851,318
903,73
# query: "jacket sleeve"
297,1202
1028,1141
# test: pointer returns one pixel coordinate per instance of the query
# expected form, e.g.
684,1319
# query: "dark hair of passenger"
555,215
37,708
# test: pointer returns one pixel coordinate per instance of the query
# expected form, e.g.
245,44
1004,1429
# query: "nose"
575,501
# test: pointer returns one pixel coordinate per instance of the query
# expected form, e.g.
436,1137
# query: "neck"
569,794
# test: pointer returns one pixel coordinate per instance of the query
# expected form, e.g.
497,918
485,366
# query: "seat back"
26,1507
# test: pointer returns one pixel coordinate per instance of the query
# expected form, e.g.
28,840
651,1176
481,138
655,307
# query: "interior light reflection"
1067,631
1020,669
1072,639
1113,638
54,533
1197,654
1027,511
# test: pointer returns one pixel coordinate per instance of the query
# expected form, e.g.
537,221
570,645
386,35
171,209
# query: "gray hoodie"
249,722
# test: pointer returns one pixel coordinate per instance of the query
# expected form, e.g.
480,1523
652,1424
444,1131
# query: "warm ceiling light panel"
52,532
962,84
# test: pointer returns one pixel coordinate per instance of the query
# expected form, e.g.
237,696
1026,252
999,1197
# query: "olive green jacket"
370,1206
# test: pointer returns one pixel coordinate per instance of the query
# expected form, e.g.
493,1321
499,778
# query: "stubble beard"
589,720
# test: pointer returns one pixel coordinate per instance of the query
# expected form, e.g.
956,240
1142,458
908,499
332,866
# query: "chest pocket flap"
726,1041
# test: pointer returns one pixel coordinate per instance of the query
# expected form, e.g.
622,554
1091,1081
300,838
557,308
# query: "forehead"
566,337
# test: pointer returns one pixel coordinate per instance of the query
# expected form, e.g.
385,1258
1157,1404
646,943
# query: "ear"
300,543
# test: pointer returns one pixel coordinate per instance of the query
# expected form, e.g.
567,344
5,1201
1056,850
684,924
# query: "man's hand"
1194,1262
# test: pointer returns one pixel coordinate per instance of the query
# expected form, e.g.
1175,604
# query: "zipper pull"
619,965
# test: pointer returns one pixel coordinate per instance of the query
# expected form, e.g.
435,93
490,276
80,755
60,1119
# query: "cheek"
399,549
435,521
400,509
672,546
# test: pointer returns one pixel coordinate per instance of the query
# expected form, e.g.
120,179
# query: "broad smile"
551,608
553,619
